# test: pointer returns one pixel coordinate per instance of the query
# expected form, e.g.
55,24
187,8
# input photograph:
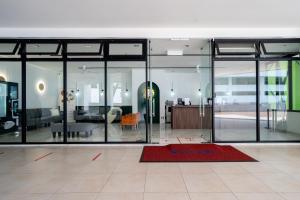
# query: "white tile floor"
69,173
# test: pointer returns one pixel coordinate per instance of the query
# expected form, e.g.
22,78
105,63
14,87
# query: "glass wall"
44,105
126,101
235,100
85,103
181,106
278,113
10,101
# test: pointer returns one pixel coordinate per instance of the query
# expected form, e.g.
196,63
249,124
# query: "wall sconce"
3,77
41,87
172,90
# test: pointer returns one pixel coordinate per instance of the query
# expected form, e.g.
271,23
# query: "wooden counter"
190,117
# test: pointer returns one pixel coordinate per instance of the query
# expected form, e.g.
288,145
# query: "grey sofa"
73,128
96,113
41,117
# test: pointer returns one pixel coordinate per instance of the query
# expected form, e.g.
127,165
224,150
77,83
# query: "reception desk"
191,117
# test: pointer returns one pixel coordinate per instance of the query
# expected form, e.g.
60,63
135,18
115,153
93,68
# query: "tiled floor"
75,173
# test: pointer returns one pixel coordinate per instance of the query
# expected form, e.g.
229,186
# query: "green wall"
296,84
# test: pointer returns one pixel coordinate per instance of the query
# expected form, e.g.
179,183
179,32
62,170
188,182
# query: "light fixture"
180,39
199,92
3,77
36,45
77,92
126,90
228,93
174,52
88,46
41,87
172,90
102,90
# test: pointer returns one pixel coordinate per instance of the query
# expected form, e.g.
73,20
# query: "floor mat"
194,153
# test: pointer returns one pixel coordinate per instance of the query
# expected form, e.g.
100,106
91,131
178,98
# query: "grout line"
179,140
187,190
227,186
41,157
97,156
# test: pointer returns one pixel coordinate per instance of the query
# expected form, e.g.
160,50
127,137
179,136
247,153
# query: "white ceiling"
146,13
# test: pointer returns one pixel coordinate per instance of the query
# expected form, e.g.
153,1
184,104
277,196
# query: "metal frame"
65,58
239,41
287,41
13,52
257,59
104,47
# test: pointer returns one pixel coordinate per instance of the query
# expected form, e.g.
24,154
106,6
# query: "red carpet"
194,153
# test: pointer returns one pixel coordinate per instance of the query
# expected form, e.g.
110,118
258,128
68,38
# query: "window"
94,92
243,81
117,94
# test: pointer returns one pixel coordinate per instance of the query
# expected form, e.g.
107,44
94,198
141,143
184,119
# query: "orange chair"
131,120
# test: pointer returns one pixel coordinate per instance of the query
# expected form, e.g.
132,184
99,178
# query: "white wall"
185,84
82,81
53,83
12,72
35,73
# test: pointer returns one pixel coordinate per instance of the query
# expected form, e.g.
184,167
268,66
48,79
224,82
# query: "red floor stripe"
41,157
97,156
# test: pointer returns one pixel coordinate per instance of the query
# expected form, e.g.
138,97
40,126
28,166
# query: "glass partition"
86,102
279,122
126,101
44,106
235,100
10,101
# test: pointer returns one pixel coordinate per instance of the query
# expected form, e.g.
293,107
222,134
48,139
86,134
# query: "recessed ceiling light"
36,45
176,39
87,46
174,52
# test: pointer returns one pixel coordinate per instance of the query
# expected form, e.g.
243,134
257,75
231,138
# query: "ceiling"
149,14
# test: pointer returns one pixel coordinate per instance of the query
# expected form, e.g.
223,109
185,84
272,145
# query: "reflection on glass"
181,103
235,101
126,102
44,110
86,108
10,102
277,120
181,110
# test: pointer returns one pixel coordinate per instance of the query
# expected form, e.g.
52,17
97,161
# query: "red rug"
194,153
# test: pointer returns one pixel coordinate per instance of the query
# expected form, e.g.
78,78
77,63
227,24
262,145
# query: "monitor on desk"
179,101
186,101
183,101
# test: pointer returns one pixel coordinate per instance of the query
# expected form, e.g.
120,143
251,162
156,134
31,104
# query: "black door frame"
260,55
62,55
20,49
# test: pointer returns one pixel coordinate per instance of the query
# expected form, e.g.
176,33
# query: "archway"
155,101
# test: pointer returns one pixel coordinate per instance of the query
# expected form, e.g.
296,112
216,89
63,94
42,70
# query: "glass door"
181,103
235,100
